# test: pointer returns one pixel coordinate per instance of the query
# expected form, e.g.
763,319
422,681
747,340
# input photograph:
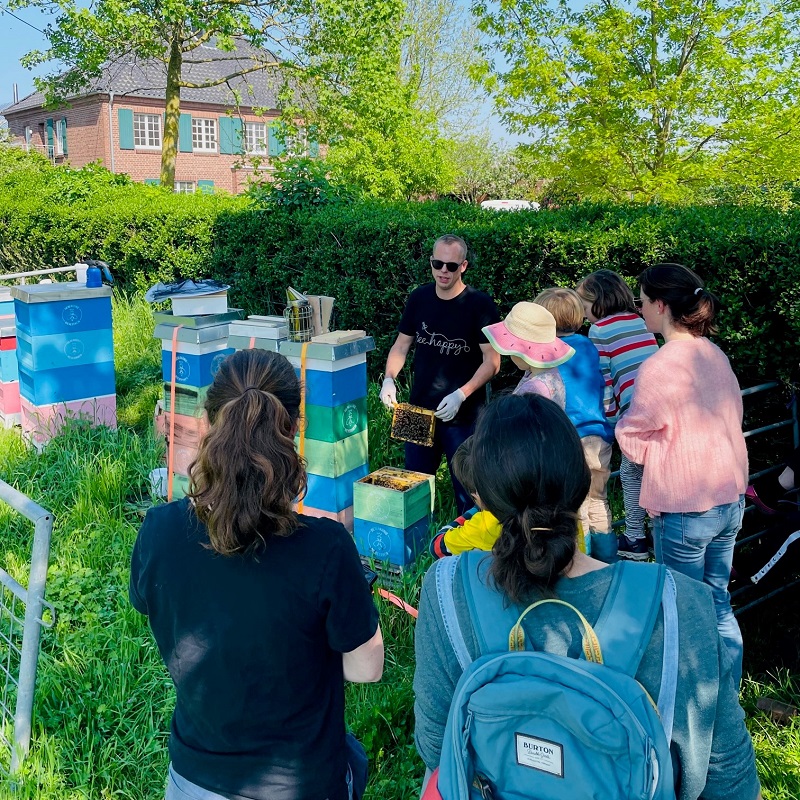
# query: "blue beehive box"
64,350
334,388
9,369
49,308
398,546
193,370
44,387
333,494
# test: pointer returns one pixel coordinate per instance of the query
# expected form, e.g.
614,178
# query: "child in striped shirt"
623,343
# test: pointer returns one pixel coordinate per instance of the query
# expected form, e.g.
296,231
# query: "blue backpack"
537,726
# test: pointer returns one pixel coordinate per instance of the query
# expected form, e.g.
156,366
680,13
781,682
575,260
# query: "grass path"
103,697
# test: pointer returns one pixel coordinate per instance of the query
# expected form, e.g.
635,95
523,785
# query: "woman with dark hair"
530,472
685,427
260,614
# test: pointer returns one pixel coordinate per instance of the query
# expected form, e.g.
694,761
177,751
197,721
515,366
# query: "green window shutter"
206,187
275,143
50,137
125,120
230,135
238,137
313,143
64,136
185,133
153,181
225,137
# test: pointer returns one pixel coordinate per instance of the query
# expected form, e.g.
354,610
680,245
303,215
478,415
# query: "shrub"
370,254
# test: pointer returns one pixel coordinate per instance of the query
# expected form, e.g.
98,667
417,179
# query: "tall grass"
104,699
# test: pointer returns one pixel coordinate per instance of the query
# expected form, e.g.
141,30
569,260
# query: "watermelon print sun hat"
529,332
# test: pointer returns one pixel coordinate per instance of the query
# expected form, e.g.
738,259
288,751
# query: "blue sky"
16,39
19,35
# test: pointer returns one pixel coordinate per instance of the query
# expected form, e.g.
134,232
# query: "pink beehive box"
42,423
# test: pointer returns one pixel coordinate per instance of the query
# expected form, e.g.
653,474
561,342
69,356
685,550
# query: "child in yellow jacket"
475,529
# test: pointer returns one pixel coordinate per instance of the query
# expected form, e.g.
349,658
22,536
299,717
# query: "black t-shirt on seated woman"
253,645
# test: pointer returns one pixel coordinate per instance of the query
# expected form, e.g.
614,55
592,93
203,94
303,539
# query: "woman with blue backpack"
543,673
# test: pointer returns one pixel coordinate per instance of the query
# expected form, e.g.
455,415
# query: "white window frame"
256,138
185,187
59,142
147,133
204,135
28,137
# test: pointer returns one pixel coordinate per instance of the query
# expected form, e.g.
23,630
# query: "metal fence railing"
21,620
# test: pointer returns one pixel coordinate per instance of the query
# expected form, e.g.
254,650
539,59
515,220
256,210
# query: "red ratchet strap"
171,442
252,343
393,598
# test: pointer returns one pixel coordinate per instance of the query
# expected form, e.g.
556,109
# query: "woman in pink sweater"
685,426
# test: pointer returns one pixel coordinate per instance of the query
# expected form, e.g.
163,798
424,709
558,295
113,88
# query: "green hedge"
369,254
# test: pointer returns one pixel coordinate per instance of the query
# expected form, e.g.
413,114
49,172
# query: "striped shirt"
623,342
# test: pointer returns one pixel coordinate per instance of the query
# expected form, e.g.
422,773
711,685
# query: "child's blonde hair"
565,306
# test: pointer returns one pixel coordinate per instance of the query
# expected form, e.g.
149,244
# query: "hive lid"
199,321
53,292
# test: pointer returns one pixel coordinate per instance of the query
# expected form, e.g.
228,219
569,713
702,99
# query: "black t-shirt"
447,353
253,645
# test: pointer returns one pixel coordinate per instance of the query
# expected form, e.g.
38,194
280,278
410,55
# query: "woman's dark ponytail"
536,545
690,304
530,472
247,474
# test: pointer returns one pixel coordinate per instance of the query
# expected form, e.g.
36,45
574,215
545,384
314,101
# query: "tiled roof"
126,76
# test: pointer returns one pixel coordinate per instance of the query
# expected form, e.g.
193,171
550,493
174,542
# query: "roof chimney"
16,93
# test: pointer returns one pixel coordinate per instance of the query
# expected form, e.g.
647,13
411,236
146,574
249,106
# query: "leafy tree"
438,53
300,183
318,47
649,99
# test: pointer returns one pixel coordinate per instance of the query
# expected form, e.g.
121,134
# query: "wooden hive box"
189,400
64,350
332,423
333,494
9,366
51,308
40,423
63,385
393,496
333,459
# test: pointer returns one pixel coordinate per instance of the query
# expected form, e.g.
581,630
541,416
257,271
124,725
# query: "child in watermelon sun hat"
528,335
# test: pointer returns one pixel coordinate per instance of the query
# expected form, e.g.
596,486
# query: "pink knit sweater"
685,426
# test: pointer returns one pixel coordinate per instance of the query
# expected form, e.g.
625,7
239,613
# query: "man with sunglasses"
453,360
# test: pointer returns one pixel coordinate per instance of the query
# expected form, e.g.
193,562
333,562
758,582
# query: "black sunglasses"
637,302
452,266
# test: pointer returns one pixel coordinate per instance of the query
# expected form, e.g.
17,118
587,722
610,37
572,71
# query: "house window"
256,138
59,143
204,135
147,130
184,187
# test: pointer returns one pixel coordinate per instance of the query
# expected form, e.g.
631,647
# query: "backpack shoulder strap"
491,618
445,573
669,664
626,624
629,614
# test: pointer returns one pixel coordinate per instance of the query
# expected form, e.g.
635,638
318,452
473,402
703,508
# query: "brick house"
119,121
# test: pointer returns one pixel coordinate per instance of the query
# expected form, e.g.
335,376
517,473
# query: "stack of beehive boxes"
200,344
333,436
392,517
65,350
9,370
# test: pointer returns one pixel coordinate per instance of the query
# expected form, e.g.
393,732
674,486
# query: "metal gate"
20,627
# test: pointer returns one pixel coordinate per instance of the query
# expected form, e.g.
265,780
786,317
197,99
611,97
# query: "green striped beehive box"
392,496
189,400
334,459
326,424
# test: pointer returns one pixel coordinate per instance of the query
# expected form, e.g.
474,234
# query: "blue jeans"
446,440
700,545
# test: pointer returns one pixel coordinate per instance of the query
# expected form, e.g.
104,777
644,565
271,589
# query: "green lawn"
104,699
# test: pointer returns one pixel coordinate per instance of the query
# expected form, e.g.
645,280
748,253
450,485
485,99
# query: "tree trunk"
169,145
